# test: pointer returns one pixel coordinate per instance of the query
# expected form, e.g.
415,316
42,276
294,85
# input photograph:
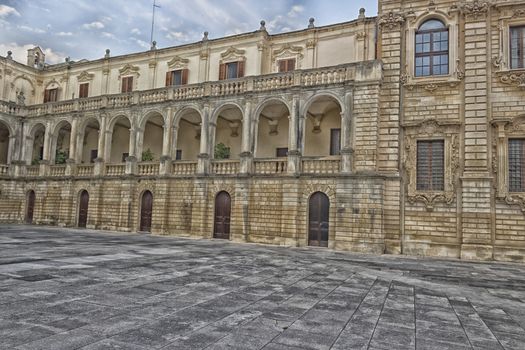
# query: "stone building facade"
402,133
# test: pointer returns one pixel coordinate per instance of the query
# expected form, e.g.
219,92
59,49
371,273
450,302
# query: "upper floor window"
51,95
517,165
432,49
83,90
177,77
231,70
430,165
127,84
286,65
517,46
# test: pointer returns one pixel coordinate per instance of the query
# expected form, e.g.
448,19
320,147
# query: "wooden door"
83,208
335,142
222,216
30,206
318,218
146,209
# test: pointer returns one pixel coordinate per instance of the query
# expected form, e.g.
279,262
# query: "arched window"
432,49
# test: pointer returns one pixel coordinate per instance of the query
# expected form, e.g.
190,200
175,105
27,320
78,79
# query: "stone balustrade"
85,170
32,170
184,168
327,165
271,166
115,169
4,170
57,170
225,167
300,78
148,169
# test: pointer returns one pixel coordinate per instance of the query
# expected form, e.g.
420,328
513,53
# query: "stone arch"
271,136
186,133
88,140
308,103
321,124
438,15
35,142
61,140
150,130
226,129
118,138
5,141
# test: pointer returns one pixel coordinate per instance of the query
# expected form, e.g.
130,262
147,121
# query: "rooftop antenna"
153,20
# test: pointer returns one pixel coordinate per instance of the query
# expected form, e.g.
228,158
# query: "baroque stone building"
401,133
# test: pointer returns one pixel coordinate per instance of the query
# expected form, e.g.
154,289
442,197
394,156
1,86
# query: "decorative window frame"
505,129
54,84
432,130
286,52
456,71
178,63
501,62
129,71
233,54
85,77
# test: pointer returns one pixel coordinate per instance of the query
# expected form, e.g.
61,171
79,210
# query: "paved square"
71,289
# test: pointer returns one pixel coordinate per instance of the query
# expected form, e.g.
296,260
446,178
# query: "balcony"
363,71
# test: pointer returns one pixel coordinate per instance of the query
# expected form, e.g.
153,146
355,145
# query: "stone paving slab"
81,289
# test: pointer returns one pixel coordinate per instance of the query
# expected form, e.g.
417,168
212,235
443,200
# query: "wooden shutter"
240,69
168,78
184,78
127,84
291,64
46,96
335,142
222,71
282,66
83,90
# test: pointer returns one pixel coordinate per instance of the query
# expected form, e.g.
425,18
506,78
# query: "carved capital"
476,8
391,21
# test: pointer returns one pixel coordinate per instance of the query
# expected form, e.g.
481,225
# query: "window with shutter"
127,84
50,95
516,165
431,165
177,77
286,65
517,47
335,142
83,90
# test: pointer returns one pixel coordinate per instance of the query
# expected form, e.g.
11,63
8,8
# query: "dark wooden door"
30,207
146,209
319,209
222,216
83,209
335,142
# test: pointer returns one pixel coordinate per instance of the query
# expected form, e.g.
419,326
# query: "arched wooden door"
223,209
30,209
318,218
146,209
83,208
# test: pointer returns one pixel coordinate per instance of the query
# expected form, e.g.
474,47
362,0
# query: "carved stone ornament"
391,20
232,54
287,50
85,77
310,44
518,13
476,8
178,62
516,199
432,129
514,79
497,61
128,69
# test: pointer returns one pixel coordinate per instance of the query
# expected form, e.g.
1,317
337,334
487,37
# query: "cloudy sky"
85,28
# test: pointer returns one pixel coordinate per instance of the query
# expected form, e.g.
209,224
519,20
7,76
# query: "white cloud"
94,25
295,11
20,53
141,43
108,35
177,36
8,10
136,31
32,30
65,34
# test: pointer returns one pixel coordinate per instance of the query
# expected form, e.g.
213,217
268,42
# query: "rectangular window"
127,84
124,156
431,165
281,152
83,90
177,77
335,142
517,46
286,65
93,155
231,70
516,165
50,95
178,154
